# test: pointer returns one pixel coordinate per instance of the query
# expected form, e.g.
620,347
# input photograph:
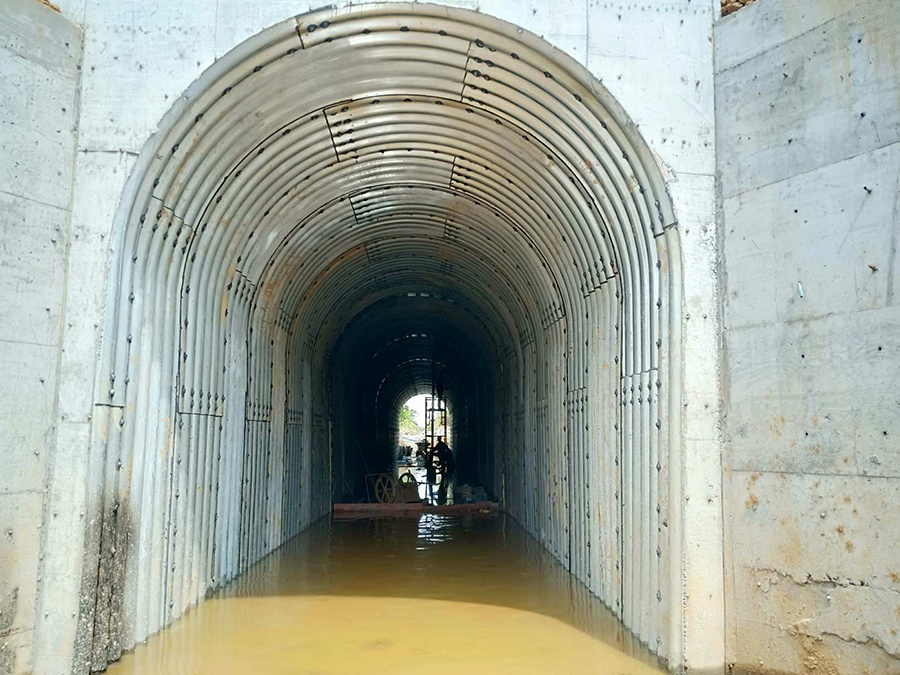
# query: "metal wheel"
385,489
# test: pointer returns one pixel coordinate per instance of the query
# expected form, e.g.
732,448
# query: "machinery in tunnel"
341,205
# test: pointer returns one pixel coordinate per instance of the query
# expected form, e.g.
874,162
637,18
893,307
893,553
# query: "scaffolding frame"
435,418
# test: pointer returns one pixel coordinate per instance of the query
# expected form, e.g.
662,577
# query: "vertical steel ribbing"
213,434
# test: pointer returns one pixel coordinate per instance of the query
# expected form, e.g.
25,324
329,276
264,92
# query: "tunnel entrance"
348,205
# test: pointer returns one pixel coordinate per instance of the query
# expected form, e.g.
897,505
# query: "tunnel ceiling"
322,183
401,148
405,345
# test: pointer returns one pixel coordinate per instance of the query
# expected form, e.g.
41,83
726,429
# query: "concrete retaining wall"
807,128
807,124
40,52
139,59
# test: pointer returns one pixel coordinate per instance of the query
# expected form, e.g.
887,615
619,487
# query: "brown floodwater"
443,595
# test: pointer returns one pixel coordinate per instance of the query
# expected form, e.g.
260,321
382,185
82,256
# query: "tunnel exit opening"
410,432
425,420
345,205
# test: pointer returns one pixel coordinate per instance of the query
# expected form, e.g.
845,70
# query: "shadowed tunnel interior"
347,206
416,343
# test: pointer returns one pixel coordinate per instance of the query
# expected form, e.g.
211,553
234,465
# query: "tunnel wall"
40,53
139,61
807,126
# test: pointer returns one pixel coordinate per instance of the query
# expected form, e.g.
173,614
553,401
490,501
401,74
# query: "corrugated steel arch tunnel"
343,206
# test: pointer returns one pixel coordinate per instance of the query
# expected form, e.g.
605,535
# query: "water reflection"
428,593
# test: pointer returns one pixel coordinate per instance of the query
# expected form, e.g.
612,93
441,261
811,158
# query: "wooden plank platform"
413,509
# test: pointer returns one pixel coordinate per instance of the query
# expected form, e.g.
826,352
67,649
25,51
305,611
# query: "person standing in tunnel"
439,388
430,472
445,457
448,466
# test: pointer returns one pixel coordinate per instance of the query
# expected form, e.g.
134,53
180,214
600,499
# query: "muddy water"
400,596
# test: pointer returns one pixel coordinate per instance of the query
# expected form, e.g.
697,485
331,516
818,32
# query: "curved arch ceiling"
352,157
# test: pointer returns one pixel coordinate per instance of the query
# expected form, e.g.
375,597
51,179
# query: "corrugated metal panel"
330,163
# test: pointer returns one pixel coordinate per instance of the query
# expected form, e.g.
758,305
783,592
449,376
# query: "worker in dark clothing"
445,457
448,466
439,389
430,472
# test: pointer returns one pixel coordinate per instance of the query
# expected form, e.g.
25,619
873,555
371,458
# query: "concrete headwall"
807,126
138,61
40,52
807,129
